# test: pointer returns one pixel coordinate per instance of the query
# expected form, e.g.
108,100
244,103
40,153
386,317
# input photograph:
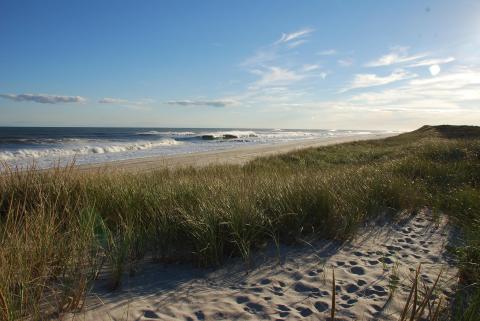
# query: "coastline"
234,156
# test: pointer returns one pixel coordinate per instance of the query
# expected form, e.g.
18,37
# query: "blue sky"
273,64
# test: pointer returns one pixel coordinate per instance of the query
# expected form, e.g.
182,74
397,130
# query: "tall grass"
59,228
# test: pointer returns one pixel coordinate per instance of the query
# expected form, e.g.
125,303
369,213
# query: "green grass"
59,228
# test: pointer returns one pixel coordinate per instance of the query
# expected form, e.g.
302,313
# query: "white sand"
298,288
239,155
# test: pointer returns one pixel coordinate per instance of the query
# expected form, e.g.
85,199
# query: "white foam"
236,133
21,154
170,133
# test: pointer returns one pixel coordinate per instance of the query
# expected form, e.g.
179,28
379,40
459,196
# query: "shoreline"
235,156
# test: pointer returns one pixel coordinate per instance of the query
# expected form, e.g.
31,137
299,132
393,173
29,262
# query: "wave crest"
84,150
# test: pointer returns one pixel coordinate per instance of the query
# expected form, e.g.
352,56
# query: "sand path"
298,287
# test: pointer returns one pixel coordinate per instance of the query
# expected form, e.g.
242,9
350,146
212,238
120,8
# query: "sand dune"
296,287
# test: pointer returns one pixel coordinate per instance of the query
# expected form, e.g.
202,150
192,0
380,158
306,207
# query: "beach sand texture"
295,286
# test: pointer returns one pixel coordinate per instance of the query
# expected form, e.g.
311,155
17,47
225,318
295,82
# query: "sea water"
46,147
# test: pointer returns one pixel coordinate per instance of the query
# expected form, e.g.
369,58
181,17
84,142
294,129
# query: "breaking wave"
84,150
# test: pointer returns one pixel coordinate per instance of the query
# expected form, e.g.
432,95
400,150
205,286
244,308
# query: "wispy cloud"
275,76
44,98
138,104
295,44
372,80
430,62
272,51
328,52
211,103
274,67
300,34
450,92
345,62
398,55
310,67
108,100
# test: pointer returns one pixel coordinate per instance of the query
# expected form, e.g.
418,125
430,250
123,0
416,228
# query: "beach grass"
60,228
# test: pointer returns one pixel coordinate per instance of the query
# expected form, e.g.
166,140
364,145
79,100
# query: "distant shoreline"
238,155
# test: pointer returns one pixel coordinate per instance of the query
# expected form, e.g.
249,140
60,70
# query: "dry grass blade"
412,290
3,307
428,295
436,315
332,313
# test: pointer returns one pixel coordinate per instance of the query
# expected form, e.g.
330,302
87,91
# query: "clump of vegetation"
59,227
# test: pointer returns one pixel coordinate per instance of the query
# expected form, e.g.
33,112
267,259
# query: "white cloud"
396,56
346,62
44,98
139,104
108,100
272,51
276,76
450,92
310,67
371,80
451,97
300,34
297,43
210,103
430,62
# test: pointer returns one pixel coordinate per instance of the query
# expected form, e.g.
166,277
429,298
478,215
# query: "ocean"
45,147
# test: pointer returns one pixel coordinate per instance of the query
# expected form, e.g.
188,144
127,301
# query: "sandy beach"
239,155
295,286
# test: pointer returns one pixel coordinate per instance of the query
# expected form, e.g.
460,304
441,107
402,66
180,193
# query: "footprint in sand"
283,310
282,307
304,288
345,297
321,306
265,281
277,291
314,272
256,289
409,240
254,308
304,311
358,270
149,314
242,299
200,315
376,290
386,260
352,301
361,282
351,288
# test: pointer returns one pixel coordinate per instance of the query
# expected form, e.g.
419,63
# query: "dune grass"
58,228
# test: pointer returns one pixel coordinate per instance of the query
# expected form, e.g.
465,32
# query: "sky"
373,64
